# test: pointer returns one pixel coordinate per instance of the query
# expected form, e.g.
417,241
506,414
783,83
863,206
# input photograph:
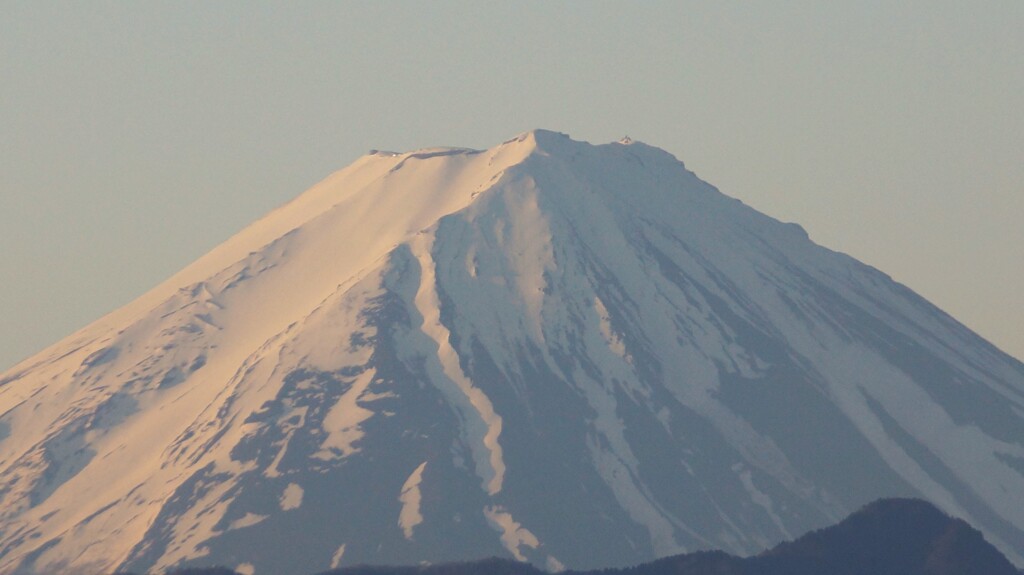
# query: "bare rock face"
578,356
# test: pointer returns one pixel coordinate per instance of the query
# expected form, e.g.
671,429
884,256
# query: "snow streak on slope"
430,356
478,412
410,516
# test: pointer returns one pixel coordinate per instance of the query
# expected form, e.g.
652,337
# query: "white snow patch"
292,497
248,520
553,565
612,338
410,515
513,535
338,554
342,422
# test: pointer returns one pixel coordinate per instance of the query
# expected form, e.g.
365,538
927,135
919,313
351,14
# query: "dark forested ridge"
887,537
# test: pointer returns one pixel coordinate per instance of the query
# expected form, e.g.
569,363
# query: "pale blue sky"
136,136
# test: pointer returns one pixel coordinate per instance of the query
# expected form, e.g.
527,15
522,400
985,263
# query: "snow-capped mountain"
575,355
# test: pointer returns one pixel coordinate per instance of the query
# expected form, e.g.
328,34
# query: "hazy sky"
136,136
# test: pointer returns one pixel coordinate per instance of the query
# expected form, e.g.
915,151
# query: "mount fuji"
578,356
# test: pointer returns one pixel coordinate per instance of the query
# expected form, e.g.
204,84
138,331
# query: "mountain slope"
894,536
433,355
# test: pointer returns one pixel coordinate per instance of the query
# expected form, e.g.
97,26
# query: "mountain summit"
575,355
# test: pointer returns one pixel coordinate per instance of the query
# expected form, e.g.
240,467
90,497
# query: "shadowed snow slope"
575,355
